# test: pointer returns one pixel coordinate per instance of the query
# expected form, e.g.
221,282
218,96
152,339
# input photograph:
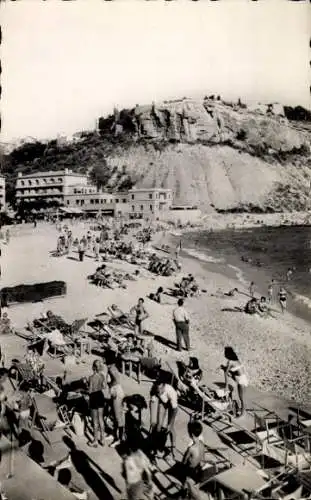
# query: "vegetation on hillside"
107,155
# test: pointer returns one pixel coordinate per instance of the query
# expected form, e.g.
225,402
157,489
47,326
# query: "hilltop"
221,156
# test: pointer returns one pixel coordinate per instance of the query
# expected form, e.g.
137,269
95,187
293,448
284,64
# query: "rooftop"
50,173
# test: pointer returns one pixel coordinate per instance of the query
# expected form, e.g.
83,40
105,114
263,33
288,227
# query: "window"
45,181
52,179
111,200
117,200
75,191
37,181
92,202
141,207
29,182
97,202
157,195
105,201
60,179
124,200
150,196
82,202
68,202
133,208
77,202
101,201
133,197
151,208
22,183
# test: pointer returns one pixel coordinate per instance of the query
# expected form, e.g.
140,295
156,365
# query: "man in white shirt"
181,322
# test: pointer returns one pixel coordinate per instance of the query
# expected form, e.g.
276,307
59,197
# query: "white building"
50,186
89,199
2,193
149,203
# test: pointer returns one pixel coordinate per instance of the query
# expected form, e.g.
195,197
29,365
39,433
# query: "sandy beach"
276,351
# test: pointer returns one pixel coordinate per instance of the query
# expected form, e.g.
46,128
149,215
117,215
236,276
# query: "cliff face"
216,155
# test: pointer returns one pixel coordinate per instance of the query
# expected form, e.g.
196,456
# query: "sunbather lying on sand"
117,315
157,297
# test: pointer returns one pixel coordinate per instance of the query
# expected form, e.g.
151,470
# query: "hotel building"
50,186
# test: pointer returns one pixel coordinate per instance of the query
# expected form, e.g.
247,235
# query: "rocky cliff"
217,155
220,156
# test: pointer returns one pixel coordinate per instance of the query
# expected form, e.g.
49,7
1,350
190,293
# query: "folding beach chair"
23,372
46,418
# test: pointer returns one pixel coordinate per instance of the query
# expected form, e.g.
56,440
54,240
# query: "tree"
100,173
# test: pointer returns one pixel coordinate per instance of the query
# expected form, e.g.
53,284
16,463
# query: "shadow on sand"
85,466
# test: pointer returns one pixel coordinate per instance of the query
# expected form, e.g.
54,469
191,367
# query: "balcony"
38,195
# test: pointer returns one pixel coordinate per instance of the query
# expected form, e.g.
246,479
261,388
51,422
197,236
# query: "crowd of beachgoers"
247,348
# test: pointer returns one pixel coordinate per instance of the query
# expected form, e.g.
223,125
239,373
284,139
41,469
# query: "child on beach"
252,289
193,460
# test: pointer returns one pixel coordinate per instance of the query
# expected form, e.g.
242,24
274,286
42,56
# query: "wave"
202,256
239,275
306,301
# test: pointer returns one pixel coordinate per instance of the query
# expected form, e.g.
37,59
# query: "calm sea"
259,254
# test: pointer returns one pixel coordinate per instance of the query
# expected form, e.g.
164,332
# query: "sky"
64,64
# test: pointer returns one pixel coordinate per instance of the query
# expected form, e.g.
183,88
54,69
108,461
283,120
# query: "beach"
276,351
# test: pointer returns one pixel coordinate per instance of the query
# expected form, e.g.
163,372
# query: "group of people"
262,305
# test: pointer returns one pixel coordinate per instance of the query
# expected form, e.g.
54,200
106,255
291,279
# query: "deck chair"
75,327
23,372
46,417
303,417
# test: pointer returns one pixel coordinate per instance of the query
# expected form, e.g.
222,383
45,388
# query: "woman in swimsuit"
283,299
235,370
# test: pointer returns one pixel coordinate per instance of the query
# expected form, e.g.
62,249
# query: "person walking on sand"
283,299
81,250
181,322
252,289
235,370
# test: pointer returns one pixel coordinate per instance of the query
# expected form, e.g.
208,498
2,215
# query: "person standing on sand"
283,299
97,385
235,370
81,250
270,291
252,289
289,274
177,251
140,315
181,322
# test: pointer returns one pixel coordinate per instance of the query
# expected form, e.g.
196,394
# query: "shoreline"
268,346
245,272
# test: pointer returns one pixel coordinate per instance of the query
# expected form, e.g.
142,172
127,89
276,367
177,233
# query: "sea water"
260,254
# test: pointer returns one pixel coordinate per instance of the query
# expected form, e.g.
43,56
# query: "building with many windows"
90,199
74,192
47,186
2,193
149,203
